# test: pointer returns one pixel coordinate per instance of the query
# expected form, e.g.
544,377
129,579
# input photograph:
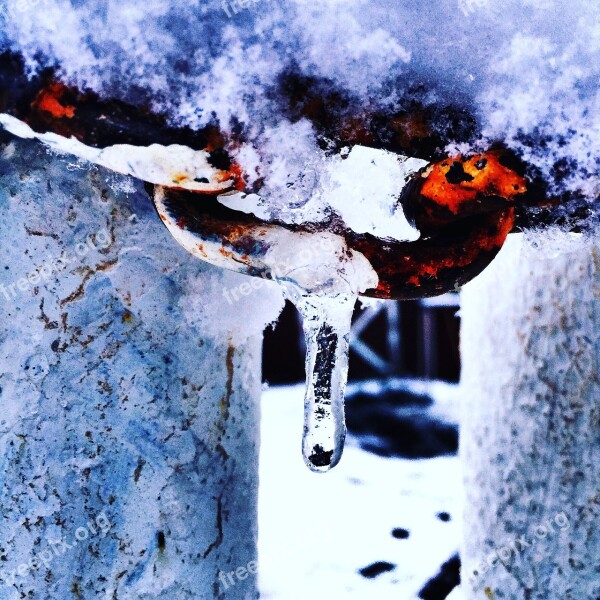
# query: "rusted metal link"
464,206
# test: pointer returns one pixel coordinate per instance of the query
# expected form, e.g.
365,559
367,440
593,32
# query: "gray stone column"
129,415
530,439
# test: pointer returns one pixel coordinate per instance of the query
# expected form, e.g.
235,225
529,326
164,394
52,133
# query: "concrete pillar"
530,438
129,420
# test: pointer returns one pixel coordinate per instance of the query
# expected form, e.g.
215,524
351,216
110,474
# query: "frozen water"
345,183
162,165
529,80
371,178
327,332
323,278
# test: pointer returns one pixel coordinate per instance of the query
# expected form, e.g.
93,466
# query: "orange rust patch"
179,177
482,175
215,138
237,174
234,174
48,100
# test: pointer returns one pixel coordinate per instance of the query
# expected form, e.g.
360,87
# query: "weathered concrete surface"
530,438
124,419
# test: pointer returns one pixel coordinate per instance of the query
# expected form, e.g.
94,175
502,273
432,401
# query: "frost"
549,244
372,178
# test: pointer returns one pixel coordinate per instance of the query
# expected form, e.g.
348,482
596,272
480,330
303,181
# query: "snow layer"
316,532
527,70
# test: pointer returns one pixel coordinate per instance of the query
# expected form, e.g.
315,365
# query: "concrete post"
129,421
531,423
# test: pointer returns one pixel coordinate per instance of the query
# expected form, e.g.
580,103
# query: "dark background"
428,344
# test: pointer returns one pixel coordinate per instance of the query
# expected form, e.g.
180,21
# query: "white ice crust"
318,263
364,191
306,260
174,165
362,185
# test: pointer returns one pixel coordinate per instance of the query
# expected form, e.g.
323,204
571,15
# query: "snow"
456,594
163,165
373,178
317,531
530,80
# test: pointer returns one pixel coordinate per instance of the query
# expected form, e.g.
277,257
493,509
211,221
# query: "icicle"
327,332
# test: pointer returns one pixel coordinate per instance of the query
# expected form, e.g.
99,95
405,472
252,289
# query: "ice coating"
173,165
323,278
319,264
365,184
361,185
305,263
327,333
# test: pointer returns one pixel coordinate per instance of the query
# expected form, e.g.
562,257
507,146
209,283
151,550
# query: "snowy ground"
318,531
